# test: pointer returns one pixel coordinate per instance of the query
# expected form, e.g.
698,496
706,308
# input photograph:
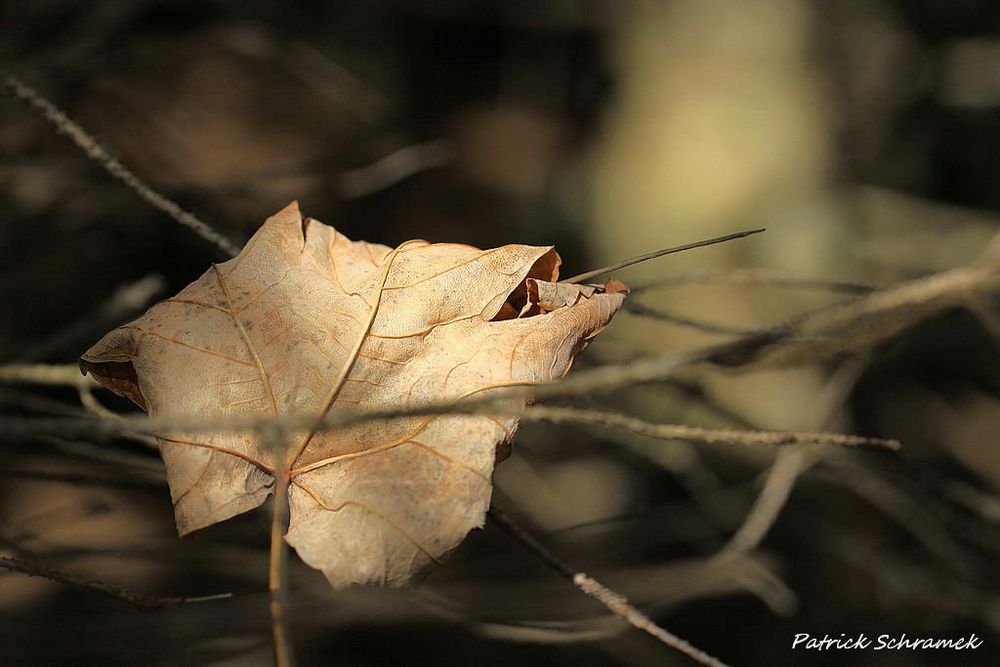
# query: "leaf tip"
615,286
290,215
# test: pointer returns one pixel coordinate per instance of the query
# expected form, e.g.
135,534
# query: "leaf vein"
187,345
373,512
246,340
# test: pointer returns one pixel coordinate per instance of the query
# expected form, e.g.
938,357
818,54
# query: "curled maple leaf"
306,321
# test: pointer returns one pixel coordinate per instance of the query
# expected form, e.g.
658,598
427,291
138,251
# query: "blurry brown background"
864,136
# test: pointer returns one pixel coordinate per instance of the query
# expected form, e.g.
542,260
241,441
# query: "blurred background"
864,136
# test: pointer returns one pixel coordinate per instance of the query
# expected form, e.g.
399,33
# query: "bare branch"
93,150
615,602
727,436
66,375
556,414
117,592
620,606
127,300
393,168
841,328
579,278
642,310
781,478
674,583
763,277
791,463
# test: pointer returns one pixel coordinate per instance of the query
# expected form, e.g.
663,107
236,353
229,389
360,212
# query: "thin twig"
844,327
92,405
660,253
553,632
12,398
917,584
332,80
126,482
985,505
985,312
773,497
555,414
605,378
127,300
65,375
138,465
96,152
559,415
672,584
911,514
620,606
791,463
601,379
614,602
878,316
695,392
393,168
642,310
763,277
136,599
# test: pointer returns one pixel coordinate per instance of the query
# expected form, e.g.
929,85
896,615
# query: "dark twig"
791,463
393,168
660,253
839,329
642,310
754,437
131,426
129,299
762,277
615,602
117,592
93,150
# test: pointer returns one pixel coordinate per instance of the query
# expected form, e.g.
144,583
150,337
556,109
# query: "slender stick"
763,277
557,414
66,375
790,464
615,602
394,167
660,253
93,150
602,379
136,599
642,310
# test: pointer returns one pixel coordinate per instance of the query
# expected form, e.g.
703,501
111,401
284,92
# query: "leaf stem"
276,580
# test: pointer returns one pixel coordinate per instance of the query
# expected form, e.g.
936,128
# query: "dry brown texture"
305,321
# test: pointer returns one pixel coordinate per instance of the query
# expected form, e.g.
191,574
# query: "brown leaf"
304,320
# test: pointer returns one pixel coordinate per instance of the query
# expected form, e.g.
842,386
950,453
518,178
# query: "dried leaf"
304,320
